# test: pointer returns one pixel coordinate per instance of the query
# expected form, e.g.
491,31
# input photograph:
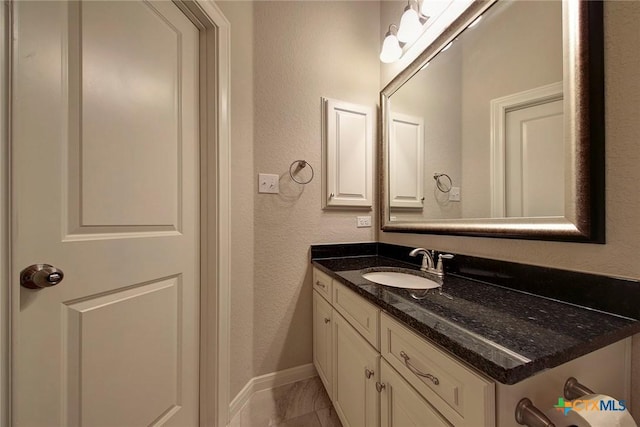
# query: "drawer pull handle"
327,320
380,387
319,283
413,369
368,373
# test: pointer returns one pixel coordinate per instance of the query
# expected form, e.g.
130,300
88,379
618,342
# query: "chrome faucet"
428,264
427,259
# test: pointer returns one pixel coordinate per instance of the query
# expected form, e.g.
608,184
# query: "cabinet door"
348,154
355,373
402,406
322,339
406,161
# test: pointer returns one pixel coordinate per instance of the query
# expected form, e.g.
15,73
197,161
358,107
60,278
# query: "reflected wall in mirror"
497,128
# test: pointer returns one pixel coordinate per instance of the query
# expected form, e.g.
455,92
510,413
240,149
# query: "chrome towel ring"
441,183
299,165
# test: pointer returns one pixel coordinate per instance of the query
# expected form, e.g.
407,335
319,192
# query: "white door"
535,161
105,188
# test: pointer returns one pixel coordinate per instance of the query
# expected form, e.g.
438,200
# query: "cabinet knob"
327,320
380,387
319,283
368,373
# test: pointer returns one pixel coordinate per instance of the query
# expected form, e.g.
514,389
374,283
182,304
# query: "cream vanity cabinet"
402,405
379,373
347,362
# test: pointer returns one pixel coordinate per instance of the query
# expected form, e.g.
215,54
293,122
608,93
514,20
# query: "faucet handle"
440,266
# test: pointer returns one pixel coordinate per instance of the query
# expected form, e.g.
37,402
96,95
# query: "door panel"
130,115
105,187
535,161
107,336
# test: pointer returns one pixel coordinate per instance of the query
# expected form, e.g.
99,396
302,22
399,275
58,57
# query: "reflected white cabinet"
347,154
355,373
402,405
322,342
406,161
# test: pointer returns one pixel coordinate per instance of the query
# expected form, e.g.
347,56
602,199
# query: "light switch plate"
454,194
268,183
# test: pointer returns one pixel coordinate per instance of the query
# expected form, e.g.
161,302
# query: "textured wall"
620,256
302,51
285,56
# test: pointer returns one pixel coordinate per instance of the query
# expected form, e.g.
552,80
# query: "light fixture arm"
423,18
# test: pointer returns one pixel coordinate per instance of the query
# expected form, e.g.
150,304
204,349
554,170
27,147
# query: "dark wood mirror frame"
584,219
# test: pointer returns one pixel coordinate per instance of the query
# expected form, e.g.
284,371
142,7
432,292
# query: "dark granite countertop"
508,334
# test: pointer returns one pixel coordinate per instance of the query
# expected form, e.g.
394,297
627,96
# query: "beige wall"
286,55
621,255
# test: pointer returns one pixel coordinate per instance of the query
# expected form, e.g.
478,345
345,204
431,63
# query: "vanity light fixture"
431,8
410,25
415,14
391,50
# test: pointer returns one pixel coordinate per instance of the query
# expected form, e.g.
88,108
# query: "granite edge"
501,374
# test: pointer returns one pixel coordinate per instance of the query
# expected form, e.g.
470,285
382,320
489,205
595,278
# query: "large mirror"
497,128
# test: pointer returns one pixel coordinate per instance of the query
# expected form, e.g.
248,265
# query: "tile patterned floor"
301,404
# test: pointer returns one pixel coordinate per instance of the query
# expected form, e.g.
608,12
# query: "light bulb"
433,8
391,50
476,22
410,26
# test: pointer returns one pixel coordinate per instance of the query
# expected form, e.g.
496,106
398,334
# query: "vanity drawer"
362,315
461,395
322,283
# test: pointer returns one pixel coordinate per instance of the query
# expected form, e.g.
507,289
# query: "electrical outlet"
268,183
454,194
364,221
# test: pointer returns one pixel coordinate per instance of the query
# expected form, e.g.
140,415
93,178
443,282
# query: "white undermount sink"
400,280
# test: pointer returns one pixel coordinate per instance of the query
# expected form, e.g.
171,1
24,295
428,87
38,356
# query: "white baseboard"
268,381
